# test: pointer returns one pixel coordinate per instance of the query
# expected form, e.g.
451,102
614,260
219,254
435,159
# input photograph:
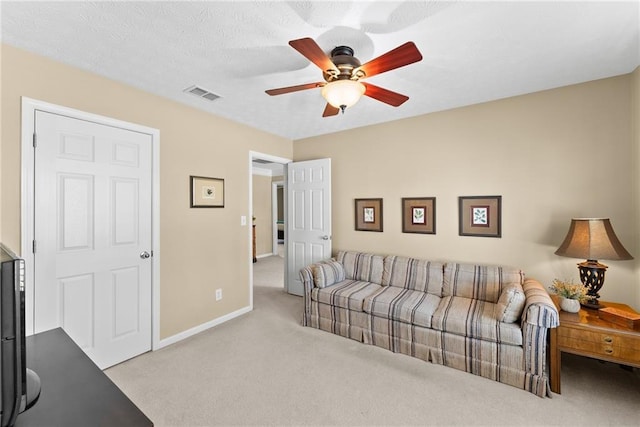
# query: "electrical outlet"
218,294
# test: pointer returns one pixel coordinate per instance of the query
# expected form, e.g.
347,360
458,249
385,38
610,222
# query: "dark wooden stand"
585,334
254,244
75,392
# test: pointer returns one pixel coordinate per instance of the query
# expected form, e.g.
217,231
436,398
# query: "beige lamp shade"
592,239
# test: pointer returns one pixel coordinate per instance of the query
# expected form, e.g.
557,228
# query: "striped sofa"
487,320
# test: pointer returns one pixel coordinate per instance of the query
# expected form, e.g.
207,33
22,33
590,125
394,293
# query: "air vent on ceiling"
202,93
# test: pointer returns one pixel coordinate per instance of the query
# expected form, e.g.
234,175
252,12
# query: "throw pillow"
327,273
510,304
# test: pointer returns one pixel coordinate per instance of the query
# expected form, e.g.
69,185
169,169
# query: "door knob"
144,255
325,237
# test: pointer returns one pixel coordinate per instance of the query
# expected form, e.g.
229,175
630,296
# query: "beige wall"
201,249
262,211
551,155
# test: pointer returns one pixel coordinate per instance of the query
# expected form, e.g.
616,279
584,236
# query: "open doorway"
268,212
277,203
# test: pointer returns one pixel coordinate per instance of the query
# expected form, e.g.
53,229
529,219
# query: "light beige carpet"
269,271
265,369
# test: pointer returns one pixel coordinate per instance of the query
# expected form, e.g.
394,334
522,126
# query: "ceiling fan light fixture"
343,93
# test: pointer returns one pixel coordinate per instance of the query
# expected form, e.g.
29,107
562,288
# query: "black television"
19,386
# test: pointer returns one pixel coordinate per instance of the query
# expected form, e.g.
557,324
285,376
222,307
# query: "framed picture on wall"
206,192
368,214
419,215
480,216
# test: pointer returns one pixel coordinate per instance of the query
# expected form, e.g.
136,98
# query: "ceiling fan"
342,73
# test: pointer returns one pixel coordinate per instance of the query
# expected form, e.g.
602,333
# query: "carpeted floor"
269,271
265,369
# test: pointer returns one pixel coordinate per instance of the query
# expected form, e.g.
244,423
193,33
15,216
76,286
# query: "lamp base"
592,277
593,304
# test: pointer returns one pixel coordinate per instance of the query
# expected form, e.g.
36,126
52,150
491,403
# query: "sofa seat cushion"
405,305
348,294
483,282
474,318
361,266
414,274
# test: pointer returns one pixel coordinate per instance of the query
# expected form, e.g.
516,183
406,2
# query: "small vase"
570,305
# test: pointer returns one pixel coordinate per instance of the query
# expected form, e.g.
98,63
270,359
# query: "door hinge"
35,140
33,249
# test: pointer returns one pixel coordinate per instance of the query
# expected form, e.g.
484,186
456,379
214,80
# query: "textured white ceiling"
473,51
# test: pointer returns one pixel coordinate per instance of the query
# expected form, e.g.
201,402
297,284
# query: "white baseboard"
200,328
264,255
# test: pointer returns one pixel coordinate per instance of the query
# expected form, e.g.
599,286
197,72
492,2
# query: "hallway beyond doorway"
269,271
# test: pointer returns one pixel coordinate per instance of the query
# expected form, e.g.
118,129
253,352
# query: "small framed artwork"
368,214
419,215
480,216
206,192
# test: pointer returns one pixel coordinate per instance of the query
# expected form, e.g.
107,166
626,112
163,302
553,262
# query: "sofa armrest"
306,276
308,283
539,309
538,316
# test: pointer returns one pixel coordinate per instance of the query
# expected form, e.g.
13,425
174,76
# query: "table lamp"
593,239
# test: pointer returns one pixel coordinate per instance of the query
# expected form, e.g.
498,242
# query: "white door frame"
29,107
275,159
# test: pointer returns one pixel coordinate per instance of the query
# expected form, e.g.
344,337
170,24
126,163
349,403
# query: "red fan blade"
289,89
310,50
384,95
403,55
330,110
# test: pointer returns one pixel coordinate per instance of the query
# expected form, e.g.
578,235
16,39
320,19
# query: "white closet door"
93,234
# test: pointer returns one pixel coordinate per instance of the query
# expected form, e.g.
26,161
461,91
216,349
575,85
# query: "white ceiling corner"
473,51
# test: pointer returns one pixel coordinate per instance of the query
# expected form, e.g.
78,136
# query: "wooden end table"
585,334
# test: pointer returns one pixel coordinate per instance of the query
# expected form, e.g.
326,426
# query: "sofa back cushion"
483,282
414,274
361,266
327,273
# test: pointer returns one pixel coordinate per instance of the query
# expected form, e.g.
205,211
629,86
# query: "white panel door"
92,235
308,217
